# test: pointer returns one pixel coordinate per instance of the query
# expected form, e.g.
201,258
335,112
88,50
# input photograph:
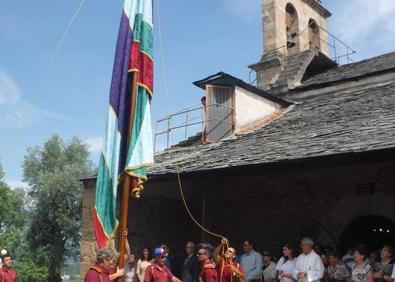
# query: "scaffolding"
181,125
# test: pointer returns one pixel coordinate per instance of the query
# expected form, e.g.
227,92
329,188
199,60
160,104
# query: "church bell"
290,38
290,41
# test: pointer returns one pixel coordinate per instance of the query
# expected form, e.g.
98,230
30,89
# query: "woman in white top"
286,264
143,263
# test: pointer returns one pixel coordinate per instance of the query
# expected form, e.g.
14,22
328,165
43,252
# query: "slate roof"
305,64
352,71
224,79
343,122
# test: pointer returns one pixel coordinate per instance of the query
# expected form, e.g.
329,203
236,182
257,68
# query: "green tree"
12,216
32,266
53,172
11,207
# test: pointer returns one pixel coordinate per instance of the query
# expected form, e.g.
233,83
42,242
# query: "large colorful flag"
125,151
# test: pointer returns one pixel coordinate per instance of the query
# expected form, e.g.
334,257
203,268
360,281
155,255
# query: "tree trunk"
55,267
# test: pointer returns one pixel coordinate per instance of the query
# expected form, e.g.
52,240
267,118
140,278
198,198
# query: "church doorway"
373,231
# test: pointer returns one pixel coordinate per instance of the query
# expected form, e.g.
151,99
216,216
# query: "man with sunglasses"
207,272
157,271
251,262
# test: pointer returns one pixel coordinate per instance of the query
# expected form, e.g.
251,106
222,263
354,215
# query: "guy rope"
179,182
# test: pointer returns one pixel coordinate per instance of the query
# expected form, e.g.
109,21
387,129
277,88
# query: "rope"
45,77
59,47
169,109
189,211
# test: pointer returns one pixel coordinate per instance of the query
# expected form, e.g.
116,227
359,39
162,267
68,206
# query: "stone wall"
156,220
279,207
88,242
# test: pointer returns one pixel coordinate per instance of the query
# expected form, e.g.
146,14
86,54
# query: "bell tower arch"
282,18
314,35
292,29
289,28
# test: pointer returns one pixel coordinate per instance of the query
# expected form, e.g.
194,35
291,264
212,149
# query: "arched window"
292,28
314,35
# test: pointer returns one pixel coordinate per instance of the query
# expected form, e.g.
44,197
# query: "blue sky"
200,38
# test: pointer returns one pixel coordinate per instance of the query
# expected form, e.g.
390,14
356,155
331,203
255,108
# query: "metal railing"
338,50
179,126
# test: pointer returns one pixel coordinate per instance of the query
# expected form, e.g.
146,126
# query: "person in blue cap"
157,271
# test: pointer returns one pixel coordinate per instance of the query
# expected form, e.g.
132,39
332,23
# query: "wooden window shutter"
218,113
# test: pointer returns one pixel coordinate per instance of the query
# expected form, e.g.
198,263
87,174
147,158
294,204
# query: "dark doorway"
373,231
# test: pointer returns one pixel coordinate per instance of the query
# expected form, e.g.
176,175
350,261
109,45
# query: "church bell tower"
290,27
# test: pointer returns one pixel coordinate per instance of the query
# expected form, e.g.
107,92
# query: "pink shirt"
95,273
7,275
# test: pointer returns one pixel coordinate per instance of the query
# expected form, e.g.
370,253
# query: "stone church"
307,151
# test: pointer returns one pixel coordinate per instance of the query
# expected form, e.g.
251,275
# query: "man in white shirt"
309,266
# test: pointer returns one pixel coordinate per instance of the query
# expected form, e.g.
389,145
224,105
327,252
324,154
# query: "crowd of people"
204,263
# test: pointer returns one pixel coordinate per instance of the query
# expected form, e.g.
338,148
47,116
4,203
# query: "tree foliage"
53,172
12,216
11,207
31,265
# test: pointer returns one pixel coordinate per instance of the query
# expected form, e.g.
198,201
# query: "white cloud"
95,144
365,25
15,112
246,10
17,184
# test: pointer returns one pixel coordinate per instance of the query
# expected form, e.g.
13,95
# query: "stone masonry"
275,48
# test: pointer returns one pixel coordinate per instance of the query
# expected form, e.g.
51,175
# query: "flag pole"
126,183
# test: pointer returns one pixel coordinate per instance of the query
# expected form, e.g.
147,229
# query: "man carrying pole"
128,149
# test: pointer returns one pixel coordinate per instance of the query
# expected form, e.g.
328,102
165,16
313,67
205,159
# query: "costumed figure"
106,259
207,271
157,271
227,269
